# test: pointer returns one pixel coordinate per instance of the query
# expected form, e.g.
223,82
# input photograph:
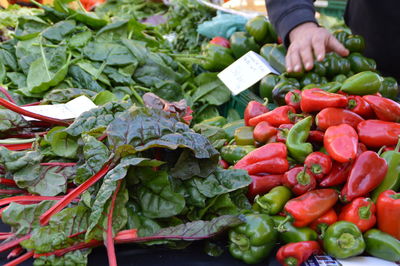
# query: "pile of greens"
132,167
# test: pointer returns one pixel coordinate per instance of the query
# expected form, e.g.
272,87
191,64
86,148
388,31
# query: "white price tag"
69,110
245,72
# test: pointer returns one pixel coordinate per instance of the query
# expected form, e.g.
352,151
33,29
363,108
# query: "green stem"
44,57
265,206
241,241
346,241
142,88
381,150
291,261
103,65
16,141
364,212
137,96
303,178
397,149
281,227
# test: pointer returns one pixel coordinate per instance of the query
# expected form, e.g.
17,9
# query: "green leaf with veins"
11,120
64,145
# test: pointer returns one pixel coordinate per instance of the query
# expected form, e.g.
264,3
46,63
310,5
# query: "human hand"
308,41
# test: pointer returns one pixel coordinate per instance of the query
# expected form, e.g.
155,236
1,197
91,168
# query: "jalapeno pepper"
361,212
233,153
388,213
295,142
385,109
382,245
392,177
296,253
272,202
267,84
343,240
341,143
253,109
367,173
376,133
263,132
263,183
313,100
332,116
363,83
218,57
244,136
319,164
253,240
292,234
241,43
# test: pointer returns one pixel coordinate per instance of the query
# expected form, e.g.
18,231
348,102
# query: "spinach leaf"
59,31
211,90
111,53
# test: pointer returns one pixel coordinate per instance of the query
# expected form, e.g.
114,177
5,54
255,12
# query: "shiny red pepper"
316,136
359,106
253,109
223,164
283,131
336,116
261,184
361,212
376,133
292,98
270,158
310,206
322,223
263,132
316,99
340,171
388,212
341,143
384,108
276,117
319,164
299,180
221,41
294,254
367,173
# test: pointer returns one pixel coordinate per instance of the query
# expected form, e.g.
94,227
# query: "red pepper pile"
339,172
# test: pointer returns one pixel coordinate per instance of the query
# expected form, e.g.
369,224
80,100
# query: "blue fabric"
223,25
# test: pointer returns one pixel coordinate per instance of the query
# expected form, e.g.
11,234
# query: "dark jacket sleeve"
287,14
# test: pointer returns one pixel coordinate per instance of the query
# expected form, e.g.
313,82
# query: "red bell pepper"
341,143
221,41
322,223
263,132
253,109
299,180
336,116
316,99
367,173
292,98
359,106
319,164
278,116
316,136
384,108
376,133
296,253
388,212
310,206
261,184
361,212
270,158
283,131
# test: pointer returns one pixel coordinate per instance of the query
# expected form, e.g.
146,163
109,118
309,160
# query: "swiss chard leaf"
11,120
16,160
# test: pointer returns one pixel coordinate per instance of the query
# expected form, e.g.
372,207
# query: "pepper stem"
322,229
316,169
365,212
241,241
265,206
281,227
381,150
352,104
395,196
303,178
397,149
291,261
265,101
346,241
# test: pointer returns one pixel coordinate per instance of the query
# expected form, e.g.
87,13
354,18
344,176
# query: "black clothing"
377,21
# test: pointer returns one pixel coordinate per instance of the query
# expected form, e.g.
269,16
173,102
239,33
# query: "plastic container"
331,8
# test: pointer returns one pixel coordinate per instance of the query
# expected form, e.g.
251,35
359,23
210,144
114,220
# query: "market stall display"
310,166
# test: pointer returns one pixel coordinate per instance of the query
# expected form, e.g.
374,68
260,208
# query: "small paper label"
69,110
245,72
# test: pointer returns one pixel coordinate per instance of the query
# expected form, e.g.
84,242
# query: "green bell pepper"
363,83
355,43
233,153
282,88
359,63
392,178
310,78
292,234
267,84
341,35
266,49
335,65
231,127
340,78
217,57
382,245
333,86
260,29
389,88
343,240
272,202
217,121
319,69
252,241
244,136
276,58
241,43
295,141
